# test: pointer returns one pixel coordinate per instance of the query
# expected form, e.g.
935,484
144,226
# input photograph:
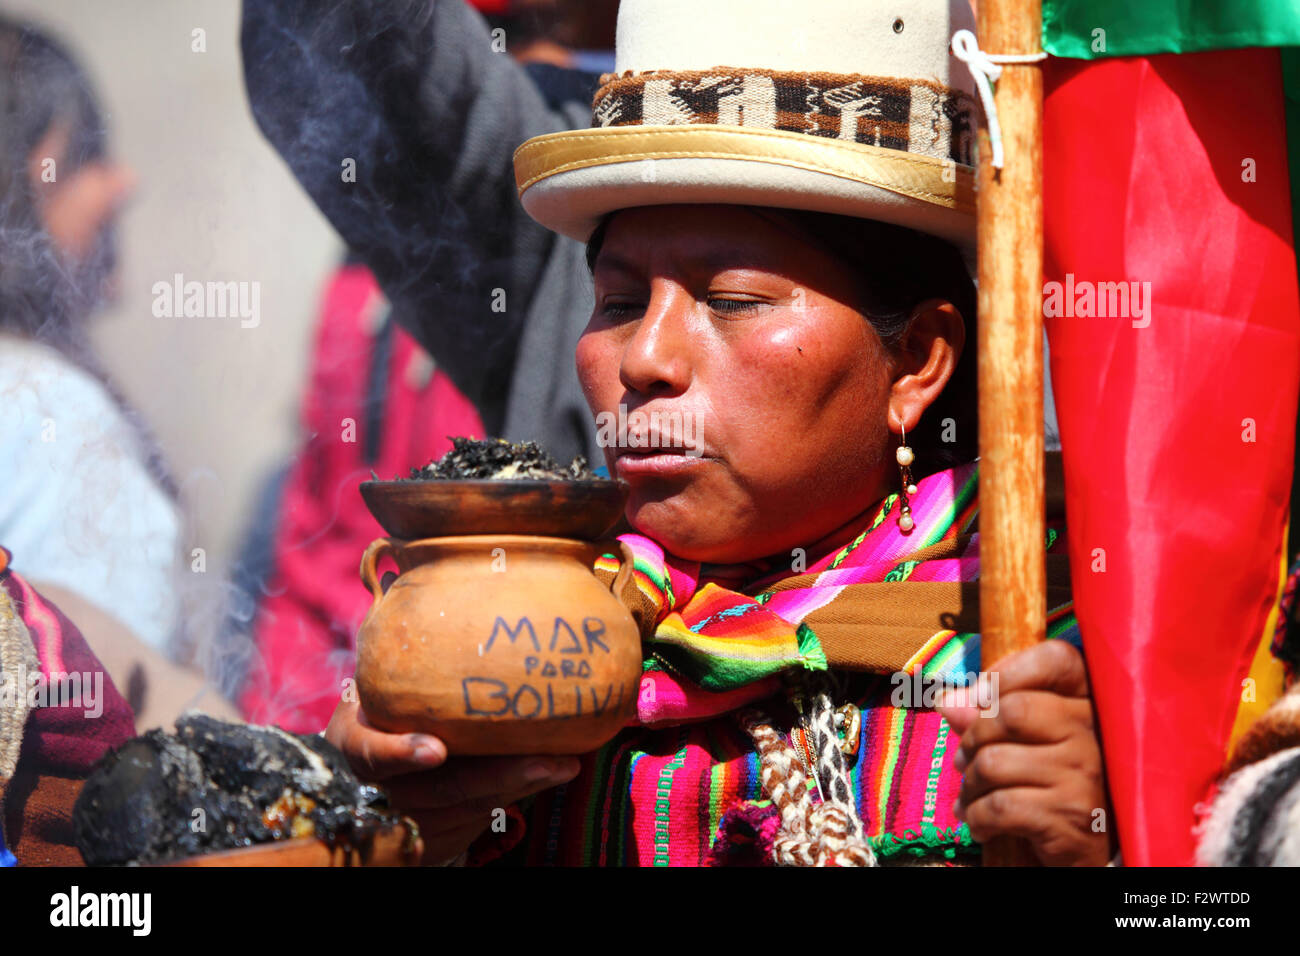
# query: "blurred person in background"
58,716
373,404
89,511
429,104
572,36
300,566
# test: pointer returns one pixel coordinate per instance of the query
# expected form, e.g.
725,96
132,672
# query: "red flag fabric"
1177,415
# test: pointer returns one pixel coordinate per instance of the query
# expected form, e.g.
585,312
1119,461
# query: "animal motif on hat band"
911,115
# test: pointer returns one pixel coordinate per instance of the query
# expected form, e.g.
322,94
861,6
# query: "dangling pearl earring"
905,459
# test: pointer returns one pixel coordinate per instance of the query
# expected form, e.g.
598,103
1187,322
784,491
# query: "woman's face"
721,333
77,207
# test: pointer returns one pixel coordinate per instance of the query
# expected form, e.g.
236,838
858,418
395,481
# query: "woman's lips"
657,463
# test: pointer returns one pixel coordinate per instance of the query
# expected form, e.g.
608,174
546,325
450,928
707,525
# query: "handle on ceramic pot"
625,565
370,565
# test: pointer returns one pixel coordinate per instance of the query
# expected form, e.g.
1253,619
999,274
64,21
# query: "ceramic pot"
498,644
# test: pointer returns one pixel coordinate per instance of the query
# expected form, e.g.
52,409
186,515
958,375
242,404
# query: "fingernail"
567,770
552,771
957,810
539,770
948,699
428,749
959,761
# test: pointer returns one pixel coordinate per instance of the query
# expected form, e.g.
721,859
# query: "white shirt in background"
78,506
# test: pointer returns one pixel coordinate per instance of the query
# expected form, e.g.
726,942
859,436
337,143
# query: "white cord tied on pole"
986,68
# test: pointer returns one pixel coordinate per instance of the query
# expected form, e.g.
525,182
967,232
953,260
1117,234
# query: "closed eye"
615,311
735,306
620,310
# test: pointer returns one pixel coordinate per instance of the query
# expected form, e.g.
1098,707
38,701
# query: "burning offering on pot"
494,486
496,459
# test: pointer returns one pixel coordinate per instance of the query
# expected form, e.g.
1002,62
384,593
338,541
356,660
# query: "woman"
90,511
800,297
62,193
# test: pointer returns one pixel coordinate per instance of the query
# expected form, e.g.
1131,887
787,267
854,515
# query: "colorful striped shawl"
659,792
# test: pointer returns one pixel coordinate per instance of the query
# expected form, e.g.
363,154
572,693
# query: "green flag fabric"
1091,29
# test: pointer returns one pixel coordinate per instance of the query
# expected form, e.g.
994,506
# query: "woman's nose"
656,359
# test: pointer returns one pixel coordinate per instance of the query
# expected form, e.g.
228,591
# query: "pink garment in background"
306,627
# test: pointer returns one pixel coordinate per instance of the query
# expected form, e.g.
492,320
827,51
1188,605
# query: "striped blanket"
681,786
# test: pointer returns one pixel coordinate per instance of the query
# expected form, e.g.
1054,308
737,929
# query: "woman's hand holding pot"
451,799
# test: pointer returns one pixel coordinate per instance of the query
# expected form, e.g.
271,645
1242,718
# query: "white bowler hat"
854,107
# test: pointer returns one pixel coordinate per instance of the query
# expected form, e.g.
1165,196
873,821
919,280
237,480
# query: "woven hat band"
911,115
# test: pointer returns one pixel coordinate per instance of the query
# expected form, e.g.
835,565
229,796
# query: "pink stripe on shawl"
663,700
41,622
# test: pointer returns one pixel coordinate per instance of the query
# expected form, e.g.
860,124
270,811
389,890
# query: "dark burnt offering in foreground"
217,786
496,459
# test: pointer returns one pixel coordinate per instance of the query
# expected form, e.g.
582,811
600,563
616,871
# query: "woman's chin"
688,534
677,527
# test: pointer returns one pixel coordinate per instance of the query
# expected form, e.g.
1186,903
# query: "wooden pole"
1013,577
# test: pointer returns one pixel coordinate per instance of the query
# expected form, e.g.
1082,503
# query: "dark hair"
41,85
899,268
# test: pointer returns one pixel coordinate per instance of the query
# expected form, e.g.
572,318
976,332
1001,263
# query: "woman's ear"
925,361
